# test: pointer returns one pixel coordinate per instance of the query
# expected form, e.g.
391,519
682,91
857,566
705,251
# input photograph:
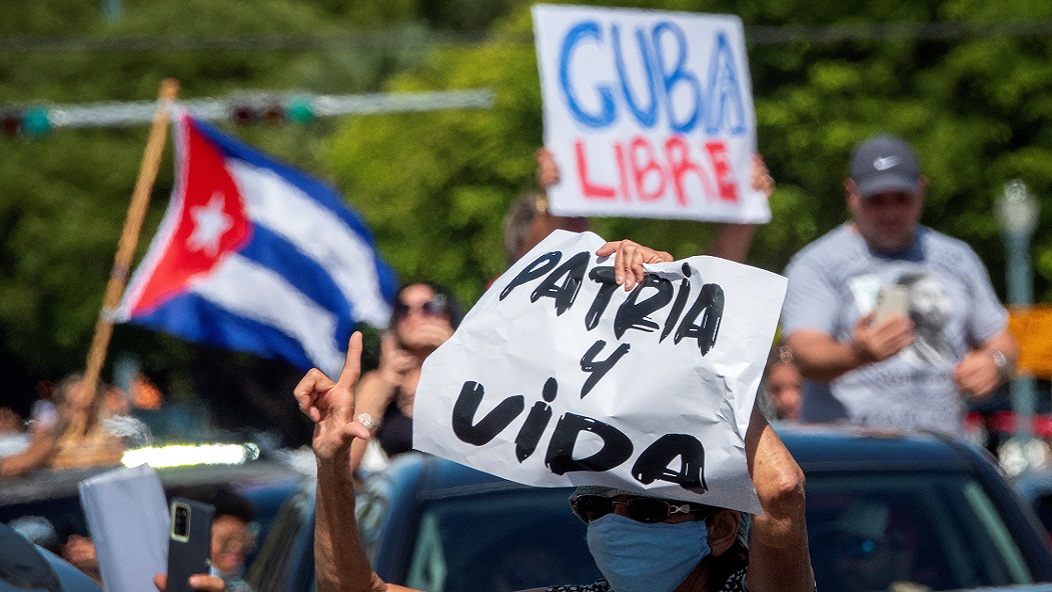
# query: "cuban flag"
255,256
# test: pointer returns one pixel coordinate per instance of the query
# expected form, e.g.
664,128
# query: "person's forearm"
373,395
988,366
41,446
732,242
778,551
358,450
340,561
372,398
820,357
1005,343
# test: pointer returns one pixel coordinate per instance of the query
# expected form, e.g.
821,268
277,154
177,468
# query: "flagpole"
151,162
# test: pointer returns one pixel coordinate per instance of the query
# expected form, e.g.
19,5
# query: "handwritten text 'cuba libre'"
560,282
647,171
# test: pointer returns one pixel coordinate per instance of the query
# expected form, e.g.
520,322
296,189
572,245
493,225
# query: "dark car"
26,567
935,511
47,502
1035,487
885,511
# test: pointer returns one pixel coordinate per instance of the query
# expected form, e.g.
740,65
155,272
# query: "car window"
500,542
883,531
275,564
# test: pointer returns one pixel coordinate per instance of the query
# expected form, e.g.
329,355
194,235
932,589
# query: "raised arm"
732,240
779,559
340,561
41,446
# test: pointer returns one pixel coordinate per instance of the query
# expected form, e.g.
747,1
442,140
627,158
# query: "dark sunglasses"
436,307
642,509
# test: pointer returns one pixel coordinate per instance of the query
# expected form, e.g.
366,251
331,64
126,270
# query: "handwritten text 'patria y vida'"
557,283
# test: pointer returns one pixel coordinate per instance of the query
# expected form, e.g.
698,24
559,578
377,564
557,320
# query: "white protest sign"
127,515
648,114
559,377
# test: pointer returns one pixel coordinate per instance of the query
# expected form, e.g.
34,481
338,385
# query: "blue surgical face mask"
638,557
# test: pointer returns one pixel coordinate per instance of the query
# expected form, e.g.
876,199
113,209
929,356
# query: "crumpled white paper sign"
559,377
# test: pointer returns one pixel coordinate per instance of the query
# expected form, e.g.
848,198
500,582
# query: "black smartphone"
189,542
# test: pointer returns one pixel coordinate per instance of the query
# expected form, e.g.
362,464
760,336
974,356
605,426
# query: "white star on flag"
209,225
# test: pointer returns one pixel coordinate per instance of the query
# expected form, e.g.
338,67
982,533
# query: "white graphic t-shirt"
835,281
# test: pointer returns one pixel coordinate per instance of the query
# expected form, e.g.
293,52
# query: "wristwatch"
1004,367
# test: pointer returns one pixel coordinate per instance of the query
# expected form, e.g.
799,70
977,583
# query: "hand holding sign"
557,376
647,113
331,404
629,258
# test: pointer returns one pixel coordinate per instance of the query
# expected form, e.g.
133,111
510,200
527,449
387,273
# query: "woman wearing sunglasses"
639,543
423,318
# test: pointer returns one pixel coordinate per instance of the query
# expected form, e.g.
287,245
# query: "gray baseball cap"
885,163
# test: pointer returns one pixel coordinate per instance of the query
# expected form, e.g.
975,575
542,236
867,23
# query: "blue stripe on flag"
321,192
271,250
193,318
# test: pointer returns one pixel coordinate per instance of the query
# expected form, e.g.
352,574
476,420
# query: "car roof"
47,484
819,448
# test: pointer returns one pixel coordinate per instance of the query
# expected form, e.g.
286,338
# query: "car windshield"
884,531
500,542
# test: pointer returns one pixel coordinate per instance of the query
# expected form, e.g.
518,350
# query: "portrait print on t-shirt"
930,309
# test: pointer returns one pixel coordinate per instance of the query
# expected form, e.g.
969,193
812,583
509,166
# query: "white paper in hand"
128,519
559,377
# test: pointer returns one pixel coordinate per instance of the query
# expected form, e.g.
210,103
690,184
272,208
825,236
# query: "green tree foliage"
970,100
967,103
63,195
434,186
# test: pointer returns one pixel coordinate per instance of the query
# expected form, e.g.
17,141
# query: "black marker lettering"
678,305
634,313
617,448
467,405
598,369
709,306
566,293
604,276
531,431
539,267
653,463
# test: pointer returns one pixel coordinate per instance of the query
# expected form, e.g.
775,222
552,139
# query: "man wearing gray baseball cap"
892,323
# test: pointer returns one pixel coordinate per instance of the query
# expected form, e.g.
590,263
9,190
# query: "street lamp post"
1017,212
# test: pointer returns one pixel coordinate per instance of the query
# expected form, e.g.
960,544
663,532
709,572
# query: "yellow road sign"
1032,328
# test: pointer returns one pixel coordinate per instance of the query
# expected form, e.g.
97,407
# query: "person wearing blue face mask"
644,543
640,543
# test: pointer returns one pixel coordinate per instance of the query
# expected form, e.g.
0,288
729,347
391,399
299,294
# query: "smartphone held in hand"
189,542
892,300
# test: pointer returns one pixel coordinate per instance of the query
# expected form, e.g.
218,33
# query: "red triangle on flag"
210,219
